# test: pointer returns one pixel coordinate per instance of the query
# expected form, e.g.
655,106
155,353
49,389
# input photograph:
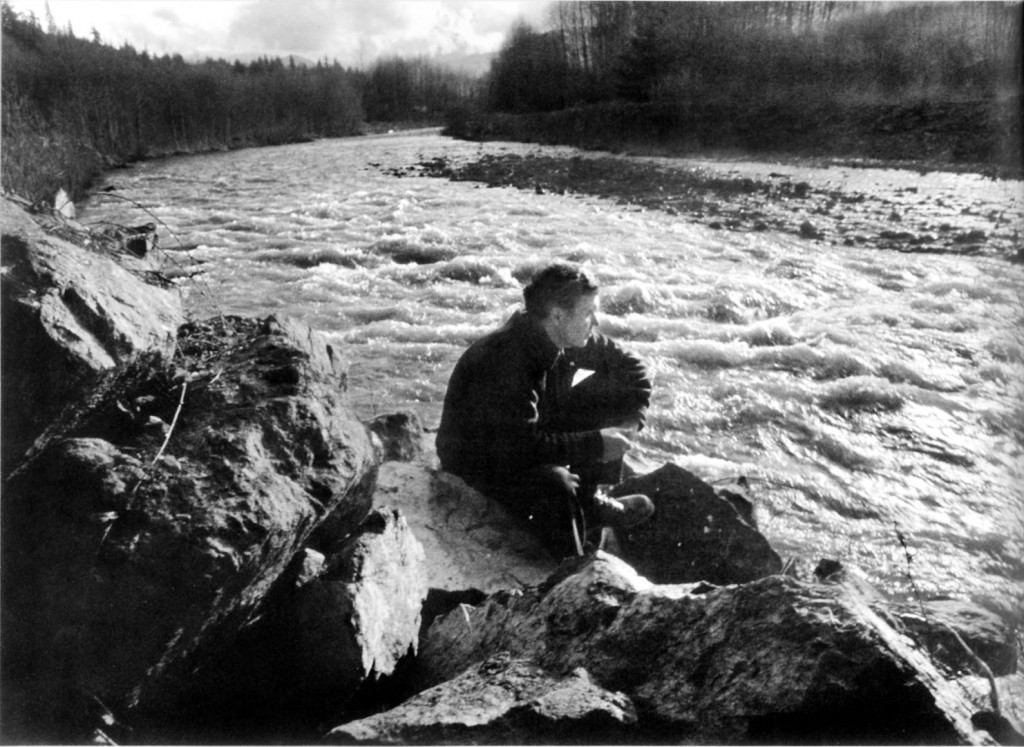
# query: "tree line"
594,51
72,107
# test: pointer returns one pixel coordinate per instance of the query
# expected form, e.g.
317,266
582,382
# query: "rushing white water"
866,394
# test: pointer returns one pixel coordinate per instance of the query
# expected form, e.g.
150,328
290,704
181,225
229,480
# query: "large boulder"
149,522
68,313
697,533
499,701
772,660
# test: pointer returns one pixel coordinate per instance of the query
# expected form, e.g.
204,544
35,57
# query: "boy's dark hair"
559,284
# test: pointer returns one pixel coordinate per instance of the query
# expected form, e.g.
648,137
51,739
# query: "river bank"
982,136
746,196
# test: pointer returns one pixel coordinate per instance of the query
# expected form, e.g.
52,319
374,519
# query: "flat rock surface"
470,541
500,701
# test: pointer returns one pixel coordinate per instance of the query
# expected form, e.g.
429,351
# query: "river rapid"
872,398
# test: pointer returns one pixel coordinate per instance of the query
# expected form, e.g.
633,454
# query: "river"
872,398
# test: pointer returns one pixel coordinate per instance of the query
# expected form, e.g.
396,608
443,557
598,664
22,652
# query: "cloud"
358,31
172,18
283,27
355,32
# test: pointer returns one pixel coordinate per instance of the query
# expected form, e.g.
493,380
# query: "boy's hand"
569,479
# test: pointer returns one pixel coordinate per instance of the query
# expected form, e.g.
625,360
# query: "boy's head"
563,299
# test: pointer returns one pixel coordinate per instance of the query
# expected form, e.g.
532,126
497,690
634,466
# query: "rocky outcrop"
68,314
500,701
772,660
152,519
698,534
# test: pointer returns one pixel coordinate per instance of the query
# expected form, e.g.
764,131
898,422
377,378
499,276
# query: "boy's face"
575,325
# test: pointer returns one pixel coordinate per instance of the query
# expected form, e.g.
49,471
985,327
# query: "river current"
873,399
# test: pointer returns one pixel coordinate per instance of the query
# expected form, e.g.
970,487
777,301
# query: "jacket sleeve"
620,387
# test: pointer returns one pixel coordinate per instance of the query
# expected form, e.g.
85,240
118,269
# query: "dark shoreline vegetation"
936,84
73,108
982,136
926,85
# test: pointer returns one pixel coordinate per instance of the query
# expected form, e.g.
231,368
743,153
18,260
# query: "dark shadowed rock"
696,534
401,435
126,570
500,701
68,314
809,231
774,660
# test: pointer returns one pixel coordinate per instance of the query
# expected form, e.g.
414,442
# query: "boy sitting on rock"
540,412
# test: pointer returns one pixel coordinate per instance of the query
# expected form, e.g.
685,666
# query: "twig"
980,664
910,575
174,422
135,488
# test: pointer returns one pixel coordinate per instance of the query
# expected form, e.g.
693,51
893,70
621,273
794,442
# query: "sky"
354,32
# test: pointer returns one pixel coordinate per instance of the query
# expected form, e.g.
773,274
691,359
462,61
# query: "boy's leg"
544,497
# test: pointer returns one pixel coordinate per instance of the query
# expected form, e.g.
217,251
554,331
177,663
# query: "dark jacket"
510,403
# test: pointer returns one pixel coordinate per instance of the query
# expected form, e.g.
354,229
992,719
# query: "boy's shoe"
623,512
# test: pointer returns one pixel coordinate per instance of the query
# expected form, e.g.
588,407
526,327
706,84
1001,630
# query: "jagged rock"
773,660
329,626
357,618
68,314
401,435
500,701
364,608
470,541
126,570
697,534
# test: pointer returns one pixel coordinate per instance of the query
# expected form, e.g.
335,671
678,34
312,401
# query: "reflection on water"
859,390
